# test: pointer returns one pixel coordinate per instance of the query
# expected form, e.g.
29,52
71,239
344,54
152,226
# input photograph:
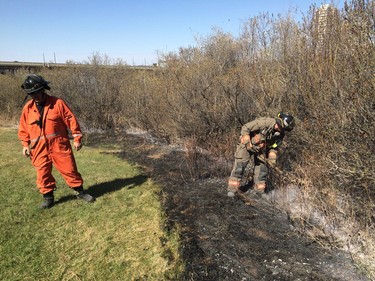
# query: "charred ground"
223,238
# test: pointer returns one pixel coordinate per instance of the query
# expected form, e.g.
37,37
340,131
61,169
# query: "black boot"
82,194
49,200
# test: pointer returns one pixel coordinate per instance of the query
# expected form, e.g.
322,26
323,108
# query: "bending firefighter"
43,132
259,139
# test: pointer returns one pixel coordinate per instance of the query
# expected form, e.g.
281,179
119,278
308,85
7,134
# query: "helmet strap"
280,122
22,104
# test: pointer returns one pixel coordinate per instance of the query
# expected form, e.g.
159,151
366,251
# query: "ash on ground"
226,238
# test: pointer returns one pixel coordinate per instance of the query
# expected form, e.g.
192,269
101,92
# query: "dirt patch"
223,238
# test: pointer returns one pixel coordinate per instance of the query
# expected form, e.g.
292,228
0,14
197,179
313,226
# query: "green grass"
119,237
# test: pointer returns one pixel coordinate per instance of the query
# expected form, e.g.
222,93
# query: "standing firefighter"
43,132
259,138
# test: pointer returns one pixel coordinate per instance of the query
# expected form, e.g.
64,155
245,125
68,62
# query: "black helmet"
287,121
33,83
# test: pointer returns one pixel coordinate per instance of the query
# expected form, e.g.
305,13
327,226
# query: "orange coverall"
50,143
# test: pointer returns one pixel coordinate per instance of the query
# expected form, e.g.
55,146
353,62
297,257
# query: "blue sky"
134,31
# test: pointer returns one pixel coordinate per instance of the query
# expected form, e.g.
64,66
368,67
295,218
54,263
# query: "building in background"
325,23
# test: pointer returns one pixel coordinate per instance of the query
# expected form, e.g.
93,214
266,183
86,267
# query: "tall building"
325,17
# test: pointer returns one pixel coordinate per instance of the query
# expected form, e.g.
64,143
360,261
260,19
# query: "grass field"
119,237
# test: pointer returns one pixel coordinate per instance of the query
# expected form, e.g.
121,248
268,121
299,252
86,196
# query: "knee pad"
272,154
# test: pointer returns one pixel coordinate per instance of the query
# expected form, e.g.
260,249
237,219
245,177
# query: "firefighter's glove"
26,151
245,140
257,143
250,147
77,145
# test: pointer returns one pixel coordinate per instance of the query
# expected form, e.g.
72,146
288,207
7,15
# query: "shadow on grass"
100,189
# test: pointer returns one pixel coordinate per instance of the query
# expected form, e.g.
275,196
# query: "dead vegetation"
320,69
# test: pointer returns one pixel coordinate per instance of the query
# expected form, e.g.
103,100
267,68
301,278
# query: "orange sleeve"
71,122
23,134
